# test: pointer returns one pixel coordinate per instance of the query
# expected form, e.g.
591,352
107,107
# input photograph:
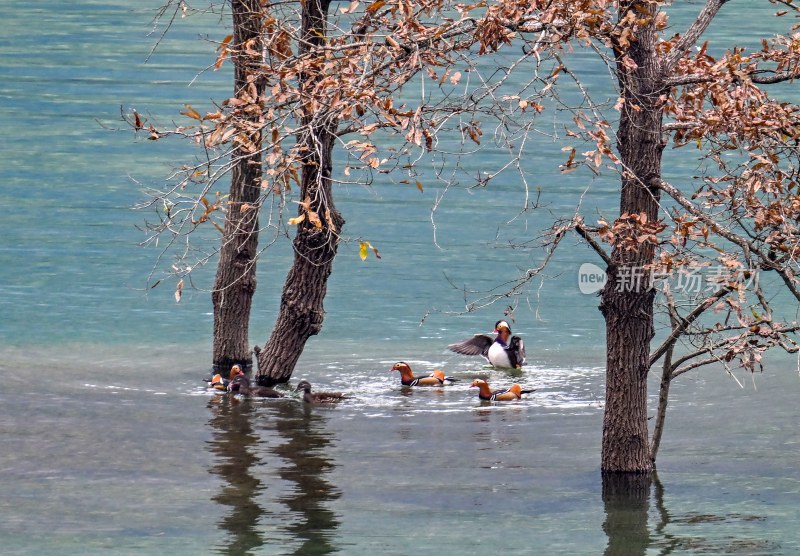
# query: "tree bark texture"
235,281
626,303
301,311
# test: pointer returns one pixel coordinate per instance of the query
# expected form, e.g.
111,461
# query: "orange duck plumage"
407,378
218,382
513,392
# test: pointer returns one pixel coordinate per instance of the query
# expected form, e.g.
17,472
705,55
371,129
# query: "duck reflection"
233,443
306,436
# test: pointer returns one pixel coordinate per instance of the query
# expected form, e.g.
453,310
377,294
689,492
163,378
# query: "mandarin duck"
218,382
407,378
241,385
504,350
318,397
513,392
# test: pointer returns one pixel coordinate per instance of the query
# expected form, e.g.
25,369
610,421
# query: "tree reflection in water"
304,429
301,440
626,499
233,443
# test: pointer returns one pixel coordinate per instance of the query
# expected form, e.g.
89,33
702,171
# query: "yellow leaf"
364,246
296,220
419,186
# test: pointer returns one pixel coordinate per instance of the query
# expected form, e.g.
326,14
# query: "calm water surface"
111,444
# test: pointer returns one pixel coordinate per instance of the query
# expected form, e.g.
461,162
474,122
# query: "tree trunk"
301,312
661,413
235,282
627,299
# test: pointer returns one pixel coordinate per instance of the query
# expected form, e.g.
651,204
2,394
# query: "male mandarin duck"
318,397
504,350
217,381
241,385
436,378
513,392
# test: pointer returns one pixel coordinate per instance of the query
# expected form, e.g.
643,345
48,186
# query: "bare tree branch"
761,77
681,324
692,35
582,231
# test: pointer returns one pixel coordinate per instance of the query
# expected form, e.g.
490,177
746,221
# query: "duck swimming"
241,385
407,378
513,392
318,397
504,350
218,382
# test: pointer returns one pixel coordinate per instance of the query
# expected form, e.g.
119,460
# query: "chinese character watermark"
692,281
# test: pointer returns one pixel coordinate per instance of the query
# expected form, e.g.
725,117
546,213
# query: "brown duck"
241,385
318,397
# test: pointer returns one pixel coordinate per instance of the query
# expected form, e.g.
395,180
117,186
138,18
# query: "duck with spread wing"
503,350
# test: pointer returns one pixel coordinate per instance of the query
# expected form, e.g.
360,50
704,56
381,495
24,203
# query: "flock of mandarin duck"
502,350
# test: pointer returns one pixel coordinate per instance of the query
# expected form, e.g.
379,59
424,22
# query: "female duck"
318,397
241,385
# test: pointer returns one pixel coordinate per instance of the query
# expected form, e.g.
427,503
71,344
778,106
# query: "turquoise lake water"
111,444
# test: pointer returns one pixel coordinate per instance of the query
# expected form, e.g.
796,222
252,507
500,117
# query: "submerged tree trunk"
301,312
626,500
235,282
627,299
